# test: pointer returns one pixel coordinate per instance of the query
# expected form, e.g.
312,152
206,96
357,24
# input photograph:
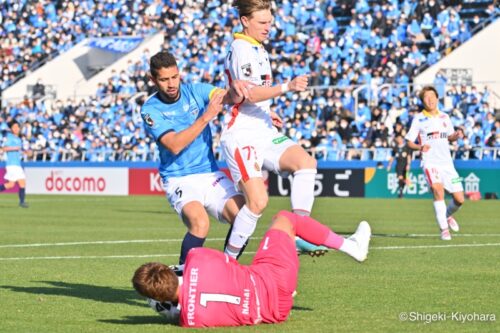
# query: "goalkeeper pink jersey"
218,291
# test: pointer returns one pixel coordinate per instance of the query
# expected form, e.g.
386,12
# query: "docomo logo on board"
112,181
57,182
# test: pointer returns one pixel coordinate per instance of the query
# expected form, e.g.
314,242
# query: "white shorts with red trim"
446,175
247,152
212,190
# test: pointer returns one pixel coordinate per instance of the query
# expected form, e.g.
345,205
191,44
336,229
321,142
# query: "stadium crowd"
350,48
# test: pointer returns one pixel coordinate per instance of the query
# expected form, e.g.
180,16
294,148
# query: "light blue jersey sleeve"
205,91
13,157
157,124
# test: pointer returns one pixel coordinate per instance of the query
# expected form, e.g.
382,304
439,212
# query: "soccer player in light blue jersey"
177,116
15,174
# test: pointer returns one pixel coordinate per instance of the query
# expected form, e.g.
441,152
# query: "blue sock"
2,187
190,241
22,194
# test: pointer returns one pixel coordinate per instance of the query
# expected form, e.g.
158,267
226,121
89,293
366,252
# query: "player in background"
250,142
402,155
434,132
15,174
177,116
218,291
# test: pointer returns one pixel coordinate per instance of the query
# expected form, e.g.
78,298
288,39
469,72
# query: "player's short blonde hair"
248,7
156,281
426,89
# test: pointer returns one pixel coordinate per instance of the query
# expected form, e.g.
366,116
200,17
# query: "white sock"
302,196
440,210
349,246
243,227
452,208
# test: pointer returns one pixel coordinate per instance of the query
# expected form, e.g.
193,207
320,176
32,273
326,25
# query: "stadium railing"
321,154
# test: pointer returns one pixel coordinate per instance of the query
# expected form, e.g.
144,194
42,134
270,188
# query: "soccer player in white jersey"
249,141
434,132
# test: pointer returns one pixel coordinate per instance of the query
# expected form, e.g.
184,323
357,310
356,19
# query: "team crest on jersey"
444,124
247,69
148,120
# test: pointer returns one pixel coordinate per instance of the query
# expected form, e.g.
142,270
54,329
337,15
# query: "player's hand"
215,106
425,148
299,83
458,134
242,88
277,121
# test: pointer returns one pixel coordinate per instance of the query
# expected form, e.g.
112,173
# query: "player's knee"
308,162
459,201
199,227
257,205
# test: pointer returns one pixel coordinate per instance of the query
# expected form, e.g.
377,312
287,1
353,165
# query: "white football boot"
362,238
452,223
445,235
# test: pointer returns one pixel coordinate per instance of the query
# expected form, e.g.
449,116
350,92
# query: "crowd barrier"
334,179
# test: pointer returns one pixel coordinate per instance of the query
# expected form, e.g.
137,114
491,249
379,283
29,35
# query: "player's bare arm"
277,121
422,148
455,136
259,94
389,164
176,142
17,148
238,92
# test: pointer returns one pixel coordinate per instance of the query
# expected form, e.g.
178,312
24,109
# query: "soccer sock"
440,210
302,196
243,227
2,187
313,231
22,194
452,208
401,186
190,241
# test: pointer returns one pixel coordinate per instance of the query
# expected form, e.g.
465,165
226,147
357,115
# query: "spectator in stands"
384,57
38,89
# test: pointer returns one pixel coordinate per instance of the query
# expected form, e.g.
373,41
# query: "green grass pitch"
66,264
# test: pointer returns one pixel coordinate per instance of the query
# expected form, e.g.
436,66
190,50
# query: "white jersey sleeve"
414,131
449,125
240,65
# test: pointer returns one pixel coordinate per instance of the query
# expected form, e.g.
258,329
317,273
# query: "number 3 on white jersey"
207,297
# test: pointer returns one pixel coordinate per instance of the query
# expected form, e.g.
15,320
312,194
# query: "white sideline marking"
432,235
431,246
246,252
168,240
104,242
